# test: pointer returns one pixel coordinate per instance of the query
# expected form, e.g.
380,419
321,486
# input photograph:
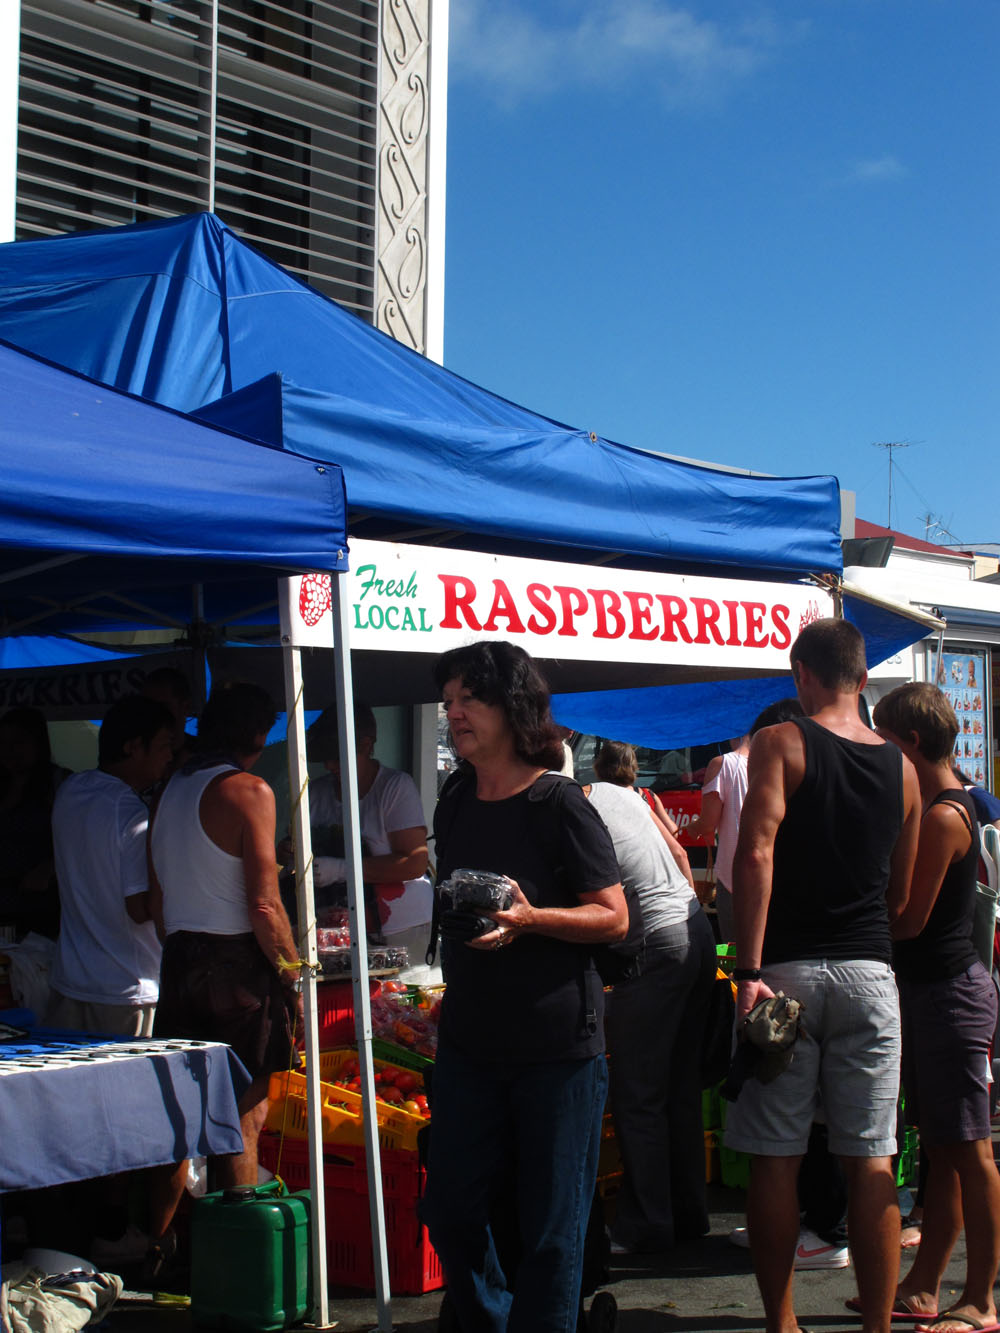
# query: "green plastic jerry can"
250,1267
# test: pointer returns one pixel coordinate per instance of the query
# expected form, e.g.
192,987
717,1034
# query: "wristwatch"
746,974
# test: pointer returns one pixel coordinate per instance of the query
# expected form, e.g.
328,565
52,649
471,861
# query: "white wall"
10,50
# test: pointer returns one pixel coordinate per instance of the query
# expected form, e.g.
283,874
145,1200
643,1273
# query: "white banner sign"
428,599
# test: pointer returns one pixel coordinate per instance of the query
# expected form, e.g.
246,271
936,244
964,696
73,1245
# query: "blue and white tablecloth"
72,1107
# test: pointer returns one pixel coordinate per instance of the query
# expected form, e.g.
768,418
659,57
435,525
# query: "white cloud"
874,170
516,53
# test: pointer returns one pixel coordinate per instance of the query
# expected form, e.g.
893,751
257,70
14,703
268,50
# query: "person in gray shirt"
655,1024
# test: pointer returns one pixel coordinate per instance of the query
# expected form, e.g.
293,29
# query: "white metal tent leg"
341,607
302,838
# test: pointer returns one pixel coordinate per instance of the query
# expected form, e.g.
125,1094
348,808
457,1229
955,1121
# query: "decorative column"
404,119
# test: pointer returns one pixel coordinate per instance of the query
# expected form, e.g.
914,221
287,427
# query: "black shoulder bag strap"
546,800
957,805
445,814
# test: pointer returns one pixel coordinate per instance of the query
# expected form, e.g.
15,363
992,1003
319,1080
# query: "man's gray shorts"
847,1064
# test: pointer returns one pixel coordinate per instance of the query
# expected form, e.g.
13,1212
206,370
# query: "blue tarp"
185,313
669,717
28,651
111,508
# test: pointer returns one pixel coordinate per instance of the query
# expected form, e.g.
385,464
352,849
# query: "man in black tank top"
828,838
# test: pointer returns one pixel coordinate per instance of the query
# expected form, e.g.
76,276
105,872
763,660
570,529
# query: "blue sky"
764,235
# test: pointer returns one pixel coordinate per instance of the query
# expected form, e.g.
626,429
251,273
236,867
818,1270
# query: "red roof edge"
862,528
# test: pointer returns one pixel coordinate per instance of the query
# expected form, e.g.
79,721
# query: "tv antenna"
889,445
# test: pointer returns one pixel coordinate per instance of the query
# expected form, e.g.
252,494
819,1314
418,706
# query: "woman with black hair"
520,1077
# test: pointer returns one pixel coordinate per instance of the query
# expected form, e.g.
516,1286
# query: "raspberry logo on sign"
314,598
811,613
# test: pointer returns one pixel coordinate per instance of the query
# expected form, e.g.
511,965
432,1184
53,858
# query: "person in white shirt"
722,796
392,829
105,973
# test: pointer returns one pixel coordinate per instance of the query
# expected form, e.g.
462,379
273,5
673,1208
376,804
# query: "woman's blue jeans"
534,1129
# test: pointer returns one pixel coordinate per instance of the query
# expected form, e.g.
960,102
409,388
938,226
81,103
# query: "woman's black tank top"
833,851
944,947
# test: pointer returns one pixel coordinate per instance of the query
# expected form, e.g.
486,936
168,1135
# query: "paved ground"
704,1288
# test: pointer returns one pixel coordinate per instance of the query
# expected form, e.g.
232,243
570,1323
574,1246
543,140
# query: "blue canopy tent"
185,312
118,501
96,531
702,712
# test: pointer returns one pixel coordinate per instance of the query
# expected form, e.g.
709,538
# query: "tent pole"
213,106
341,607
302,839
200,645
938,652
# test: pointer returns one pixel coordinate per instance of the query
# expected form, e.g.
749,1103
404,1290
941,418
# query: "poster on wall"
962,677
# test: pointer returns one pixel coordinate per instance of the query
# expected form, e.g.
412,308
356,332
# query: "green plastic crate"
710,1113
734,1167
906,1165
400,1055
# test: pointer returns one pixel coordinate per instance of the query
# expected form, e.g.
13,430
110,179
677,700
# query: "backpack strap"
445,814
551,786
546,798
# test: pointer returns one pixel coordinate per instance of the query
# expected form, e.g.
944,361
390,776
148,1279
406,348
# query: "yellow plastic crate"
287,1114
342,1114
711,1157
333,1061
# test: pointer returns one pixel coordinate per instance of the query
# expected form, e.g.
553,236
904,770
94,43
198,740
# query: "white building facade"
315,128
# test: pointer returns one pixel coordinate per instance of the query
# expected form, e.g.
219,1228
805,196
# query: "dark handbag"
720,1020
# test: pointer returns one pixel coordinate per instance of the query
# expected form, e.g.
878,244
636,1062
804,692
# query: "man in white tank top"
230,962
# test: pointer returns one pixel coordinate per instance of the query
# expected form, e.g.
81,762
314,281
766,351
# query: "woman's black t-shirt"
944,947
537,998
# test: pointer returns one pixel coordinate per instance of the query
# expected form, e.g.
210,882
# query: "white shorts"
847,1059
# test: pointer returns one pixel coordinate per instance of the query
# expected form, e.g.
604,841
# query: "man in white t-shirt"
393,830
105,974
722,795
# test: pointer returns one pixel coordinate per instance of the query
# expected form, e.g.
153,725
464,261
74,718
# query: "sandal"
913,1224
901,1309
161,1259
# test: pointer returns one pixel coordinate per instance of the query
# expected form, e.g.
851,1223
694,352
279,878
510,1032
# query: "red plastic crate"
414,1268
335,1010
